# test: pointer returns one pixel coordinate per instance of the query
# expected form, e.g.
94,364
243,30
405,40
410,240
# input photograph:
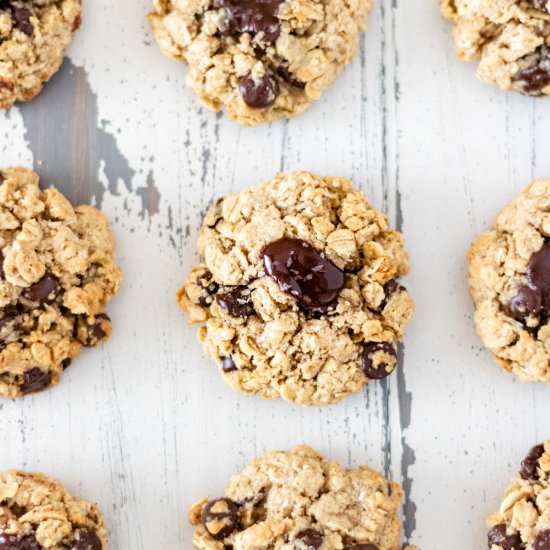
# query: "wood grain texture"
144,425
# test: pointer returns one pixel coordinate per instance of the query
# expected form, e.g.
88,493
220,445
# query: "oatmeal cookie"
511,38
297,291
298,500
37,512
261,59
57,273
33,38
510,285
523,519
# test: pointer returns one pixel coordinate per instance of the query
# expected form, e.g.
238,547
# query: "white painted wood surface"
144,425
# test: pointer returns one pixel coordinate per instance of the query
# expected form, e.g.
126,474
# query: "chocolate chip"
2,274
237,302
530,463
87,539
390,288
92,330
255,499
289,78
373,367
13,542
206,281
1,175
498,536
22,19
539,4
5,5
228,365
526,302
8,323
253,17
261,94
533,299
537,76
44,291
311,537
220,517
35,379
66,363
362,547
303,272
542,542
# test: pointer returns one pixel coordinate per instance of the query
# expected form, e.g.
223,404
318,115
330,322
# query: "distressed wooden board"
144,425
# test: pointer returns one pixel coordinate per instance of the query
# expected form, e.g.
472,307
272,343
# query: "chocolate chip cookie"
57,273
299,500
37,512
523,520
261,59
511,38
510,285
33,38
297,290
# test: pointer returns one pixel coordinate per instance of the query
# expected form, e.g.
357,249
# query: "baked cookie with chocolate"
510,38
260,59
510,285
33,37
57,273
523,519
37,512
299,500
297,291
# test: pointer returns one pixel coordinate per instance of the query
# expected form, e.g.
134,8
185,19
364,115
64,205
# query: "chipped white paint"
144,425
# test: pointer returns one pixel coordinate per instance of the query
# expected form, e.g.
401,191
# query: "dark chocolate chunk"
311,537
13,542
542,542
253,17
35,379
304,272
261,94
534,78
228,365
287,76
498,536
533,299
237,302
206,281
93,329
45,291
22,19
530,463
9,323
371,367
390,288
220,517
86,539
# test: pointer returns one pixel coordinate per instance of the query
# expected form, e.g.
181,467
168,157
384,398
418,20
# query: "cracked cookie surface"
297,289
510,285
33,38
260,59
523,519
298,500
37,512
511,38
57,273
